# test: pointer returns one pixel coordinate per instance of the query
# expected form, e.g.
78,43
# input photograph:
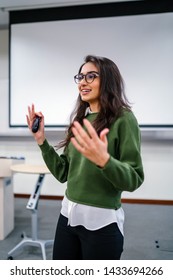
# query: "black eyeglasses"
89,77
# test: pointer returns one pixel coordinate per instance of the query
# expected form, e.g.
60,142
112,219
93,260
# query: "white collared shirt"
92,218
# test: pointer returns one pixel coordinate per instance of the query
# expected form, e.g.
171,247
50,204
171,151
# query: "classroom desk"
32,205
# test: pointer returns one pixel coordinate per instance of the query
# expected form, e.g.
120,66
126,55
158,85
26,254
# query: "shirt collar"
88,111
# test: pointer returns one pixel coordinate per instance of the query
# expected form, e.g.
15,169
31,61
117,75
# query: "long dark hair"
112,97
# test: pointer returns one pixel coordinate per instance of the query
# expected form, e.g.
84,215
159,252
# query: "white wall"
157,149
3,80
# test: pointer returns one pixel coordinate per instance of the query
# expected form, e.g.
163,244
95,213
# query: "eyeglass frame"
95,75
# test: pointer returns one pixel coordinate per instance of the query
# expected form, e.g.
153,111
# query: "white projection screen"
45,55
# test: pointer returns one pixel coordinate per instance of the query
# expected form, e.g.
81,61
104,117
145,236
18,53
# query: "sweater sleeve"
125,171
57,164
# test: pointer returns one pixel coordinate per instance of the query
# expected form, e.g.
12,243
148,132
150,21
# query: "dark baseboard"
124,200
147,201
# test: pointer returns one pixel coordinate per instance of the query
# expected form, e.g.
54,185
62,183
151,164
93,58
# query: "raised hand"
89,144
39,135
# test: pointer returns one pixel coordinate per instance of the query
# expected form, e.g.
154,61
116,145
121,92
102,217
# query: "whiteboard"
45,56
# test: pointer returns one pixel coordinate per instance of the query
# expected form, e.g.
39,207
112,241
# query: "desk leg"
34,224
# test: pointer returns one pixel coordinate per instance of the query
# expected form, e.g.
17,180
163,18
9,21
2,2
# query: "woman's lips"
85,91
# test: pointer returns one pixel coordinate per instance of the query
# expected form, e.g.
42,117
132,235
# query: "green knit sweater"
101,187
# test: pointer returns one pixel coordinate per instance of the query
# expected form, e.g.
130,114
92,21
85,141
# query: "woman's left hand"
89,144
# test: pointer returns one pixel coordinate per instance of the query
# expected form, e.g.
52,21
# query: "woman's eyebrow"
89,72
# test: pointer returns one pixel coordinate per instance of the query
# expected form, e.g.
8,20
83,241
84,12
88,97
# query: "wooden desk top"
30,169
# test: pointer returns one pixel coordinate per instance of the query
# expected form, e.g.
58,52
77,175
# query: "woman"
101,159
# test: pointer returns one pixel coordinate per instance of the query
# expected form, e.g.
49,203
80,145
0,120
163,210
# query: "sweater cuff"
44,147
106,165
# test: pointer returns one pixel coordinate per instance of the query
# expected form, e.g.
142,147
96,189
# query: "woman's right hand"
39,135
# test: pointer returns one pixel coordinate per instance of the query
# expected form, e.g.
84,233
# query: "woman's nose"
83,81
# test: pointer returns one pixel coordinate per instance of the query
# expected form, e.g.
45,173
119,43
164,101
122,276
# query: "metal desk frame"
32,205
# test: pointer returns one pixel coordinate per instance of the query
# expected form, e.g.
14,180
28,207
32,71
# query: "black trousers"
78,243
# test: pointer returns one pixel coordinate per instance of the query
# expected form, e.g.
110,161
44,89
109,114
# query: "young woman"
101,159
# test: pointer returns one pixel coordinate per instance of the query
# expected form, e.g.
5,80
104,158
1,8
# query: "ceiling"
9,5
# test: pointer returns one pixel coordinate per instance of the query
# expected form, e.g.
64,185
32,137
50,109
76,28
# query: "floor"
148,231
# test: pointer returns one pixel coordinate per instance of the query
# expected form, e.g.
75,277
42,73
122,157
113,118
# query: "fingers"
82,134
75,143
103,135
89,144
31,111
32,114
29,117
81,140
82,137
91,131
28,121
86,138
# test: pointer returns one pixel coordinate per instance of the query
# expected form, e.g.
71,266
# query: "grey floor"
144,224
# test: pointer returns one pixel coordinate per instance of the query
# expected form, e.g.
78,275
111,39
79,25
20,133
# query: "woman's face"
90,91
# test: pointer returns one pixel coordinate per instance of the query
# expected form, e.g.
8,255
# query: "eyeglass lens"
89,77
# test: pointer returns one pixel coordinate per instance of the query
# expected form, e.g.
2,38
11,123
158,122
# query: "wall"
157,149
3,80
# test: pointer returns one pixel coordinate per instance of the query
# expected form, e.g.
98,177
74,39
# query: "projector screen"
45,56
